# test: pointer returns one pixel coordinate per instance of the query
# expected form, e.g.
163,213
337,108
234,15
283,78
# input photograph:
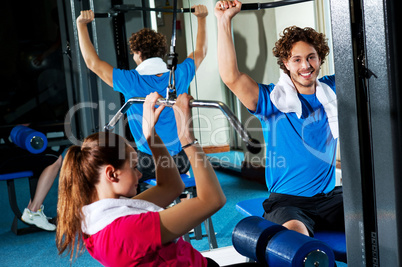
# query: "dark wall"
31,70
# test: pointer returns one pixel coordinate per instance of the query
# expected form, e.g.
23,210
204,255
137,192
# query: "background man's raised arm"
101,68
201,45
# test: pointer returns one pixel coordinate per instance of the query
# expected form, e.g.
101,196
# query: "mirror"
44,94
32,74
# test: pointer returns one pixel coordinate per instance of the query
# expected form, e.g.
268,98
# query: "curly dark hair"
149,43
294,34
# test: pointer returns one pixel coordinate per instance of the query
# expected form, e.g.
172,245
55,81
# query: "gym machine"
252,145
368,80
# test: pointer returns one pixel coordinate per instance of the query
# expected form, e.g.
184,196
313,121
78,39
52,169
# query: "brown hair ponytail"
78,176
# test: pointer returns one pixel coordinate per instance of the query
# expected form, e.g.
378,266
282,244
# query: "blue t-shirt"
300,153
131,84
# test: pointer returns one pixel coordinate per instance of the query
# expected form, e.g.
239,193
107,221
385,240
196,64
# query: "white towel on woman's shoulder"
103,212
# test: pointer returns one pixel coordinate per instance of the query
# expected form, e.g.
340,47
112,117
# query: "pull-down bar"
126,8
258,6
247,6
252,145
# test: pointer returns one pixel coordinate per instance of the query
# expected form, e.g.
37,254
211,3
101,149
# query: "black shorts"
319,212
146,164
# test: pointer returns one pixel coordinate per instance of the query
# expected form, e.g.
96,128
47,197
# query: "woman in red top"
98,201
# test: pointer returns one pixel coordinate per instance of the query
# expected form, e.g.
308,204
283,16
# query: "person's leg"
293,219
331,211
290,212
297,226
33,214
45,182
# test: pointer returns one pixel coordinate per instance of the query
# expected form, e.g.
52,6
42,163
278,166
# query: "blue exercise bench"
335,240
190,188
12,198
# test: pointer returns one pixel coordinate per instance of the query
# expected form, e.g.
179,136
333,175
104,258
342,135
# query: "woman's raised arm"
184,216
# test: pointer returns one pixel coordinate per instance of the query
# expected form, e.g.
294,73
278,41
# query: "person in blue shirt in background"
300,125
151,75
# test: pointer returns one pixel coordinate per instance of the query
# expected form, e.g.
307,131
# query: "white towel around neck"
103,212
285,98
152,66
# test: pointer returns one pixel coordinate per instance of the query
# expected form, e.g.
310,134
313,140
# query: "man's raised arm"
101,68
242,85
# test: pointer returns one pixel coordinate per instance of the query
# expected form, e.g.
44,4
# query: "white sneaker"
37,218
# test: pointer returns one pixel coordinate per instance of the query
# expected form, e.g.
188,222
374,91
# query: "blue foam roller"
290,248
28,139
251,235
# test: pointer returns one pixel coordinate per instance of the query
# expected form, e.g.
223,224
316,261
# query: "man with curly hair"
300,125
151,75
